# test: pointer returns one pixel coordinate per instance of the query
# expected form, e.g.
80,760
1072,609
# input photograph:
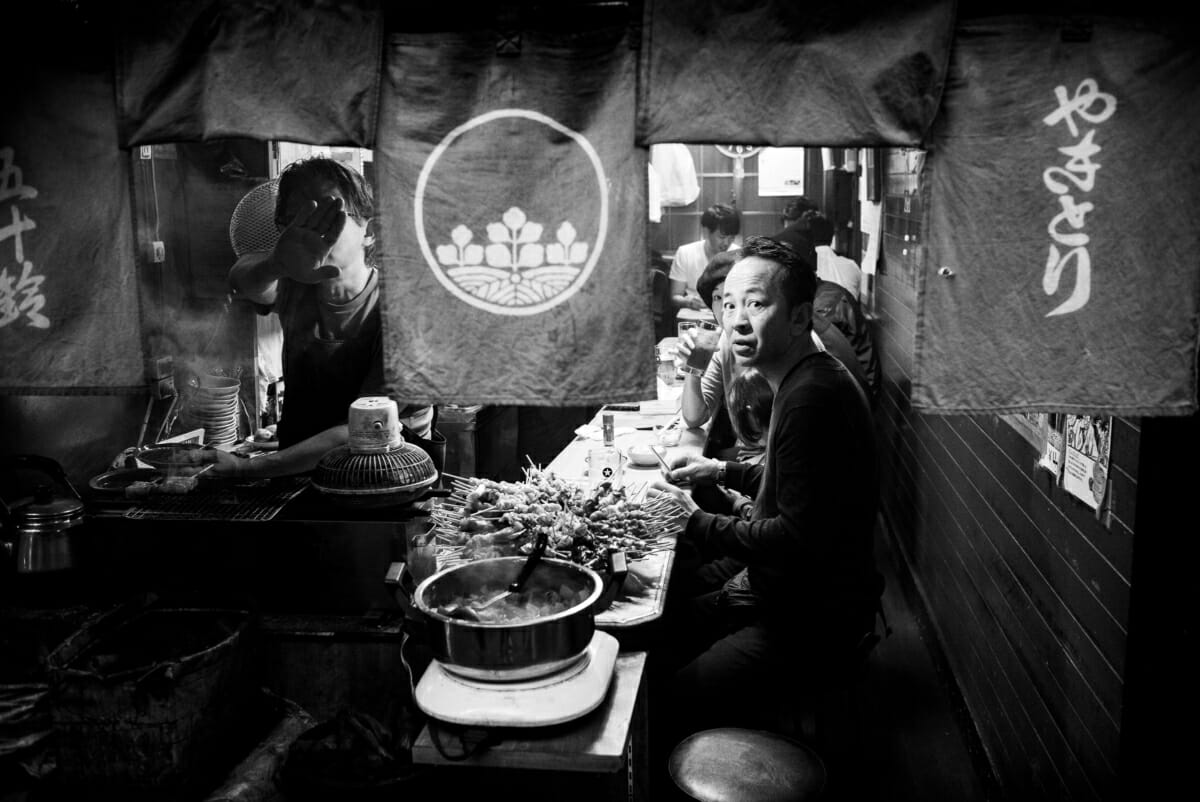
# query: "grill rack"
225,504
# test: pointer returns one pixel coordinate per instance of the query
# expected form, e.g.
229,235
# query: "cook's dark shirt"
332,355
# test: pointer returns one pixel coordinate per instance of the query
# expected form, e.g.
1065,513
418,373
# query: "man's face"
761,326
716,241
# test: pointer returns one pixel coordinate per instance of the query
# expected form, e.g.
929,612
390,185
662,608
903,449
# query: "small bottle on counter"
604,463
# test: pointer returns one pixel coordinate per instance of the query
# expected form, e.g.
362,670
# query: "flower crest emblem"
515,268
529,260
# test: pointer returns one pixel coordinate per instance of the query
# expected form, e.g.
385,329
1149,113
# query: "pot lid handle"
44,505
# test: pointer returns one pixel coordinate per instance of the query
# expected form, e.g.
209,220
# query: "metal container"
523,650
36,528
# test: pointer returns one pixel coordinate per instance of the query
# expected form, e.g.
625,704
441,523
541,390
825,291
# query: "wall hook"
945,272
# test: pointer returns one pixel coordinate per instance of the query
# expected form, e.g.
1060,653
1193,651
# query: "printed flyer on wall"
1052,444
1085,466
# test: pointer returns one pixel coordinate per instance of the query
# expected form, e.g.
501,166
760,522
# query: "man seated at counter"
809,590
705,398
719,226
321,281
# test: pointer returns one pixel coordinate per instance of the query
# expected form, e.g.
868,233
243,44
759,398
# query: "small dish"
642,455
173,458
114,482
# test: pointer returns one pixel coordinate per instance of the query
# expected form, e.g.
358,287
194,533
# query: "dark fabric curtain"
69,316
1063,183
513,205
776,72
296,70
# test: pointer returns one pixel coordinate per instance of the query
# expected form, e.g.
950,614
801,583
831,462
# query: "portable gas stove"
564,695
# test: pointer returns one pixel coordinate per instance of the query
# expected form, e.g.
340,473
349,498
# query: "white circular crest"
516,274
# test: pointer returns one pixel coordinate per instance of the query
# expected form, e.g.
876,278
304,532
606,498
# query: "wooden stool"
731,764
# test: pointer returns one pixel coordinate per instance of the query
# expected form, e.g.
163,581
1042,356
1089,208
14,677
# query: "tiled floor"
917,744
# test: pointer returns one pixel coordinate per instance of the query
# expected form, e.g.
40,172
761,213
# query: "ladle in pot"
518,584
471,613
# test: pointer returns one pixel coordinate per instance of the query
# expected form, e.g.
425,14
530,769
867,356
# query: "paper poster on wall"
780,172
1085,465
1052,445
871,227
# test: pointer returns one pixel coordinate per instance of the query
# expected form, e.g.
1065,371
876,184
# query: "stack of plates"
214,407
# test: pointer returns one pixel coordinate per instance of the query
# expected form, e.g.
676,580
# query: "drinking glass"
669,436
704,343
605,465
420,551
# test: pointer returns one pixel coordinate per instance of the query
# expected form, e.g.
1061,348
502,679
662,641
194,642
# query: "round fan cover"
252,226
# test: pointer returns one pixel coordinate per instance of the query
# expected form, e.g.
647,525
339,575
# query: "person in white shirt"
830,266
720,225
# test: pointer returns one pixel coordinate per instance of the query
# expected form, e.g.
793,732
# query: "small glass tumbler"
704,344
669,436
420,551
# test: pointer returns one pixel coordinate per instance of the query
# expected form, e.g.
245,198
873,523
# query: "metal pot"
36,526
515,651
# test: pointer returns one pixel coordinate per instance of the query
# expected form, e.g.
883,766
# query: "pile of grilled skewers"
485,518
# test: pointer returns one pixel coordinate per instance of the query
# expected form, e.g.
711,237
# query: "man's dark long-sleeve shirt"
808,545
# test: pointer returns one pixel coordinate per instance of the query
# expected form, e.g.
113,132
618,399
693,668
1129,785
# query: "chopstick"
661,461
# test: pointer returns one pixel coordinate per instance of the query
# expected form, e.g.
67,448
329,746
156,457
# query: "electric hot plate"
543,701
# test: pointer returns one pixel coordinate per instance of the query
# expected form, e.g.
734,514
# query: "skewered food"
167,485
498,519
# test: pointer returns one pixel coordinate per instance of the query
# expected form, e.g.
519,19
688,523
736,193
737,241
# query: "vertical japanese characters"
20,287
1078,175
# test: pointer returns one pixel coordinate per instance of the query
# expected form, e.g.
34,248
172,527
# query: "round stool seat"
731,764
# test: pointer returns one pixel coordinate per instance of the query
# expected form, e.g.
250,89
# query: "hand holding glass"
704,343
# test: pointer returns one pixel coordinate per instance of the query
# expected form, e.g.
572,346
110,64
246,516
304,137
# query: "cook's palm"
304,245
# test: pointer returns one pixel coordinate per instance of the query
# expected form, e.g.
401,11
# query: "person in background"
719,226
321,281
837,315
810,589
795,227
830,266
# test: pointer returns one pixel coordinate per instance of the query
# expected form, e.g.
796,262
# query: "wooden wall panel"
1027,588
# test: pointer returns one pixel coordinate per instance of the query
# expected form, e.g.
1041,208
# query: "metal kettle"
36,522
